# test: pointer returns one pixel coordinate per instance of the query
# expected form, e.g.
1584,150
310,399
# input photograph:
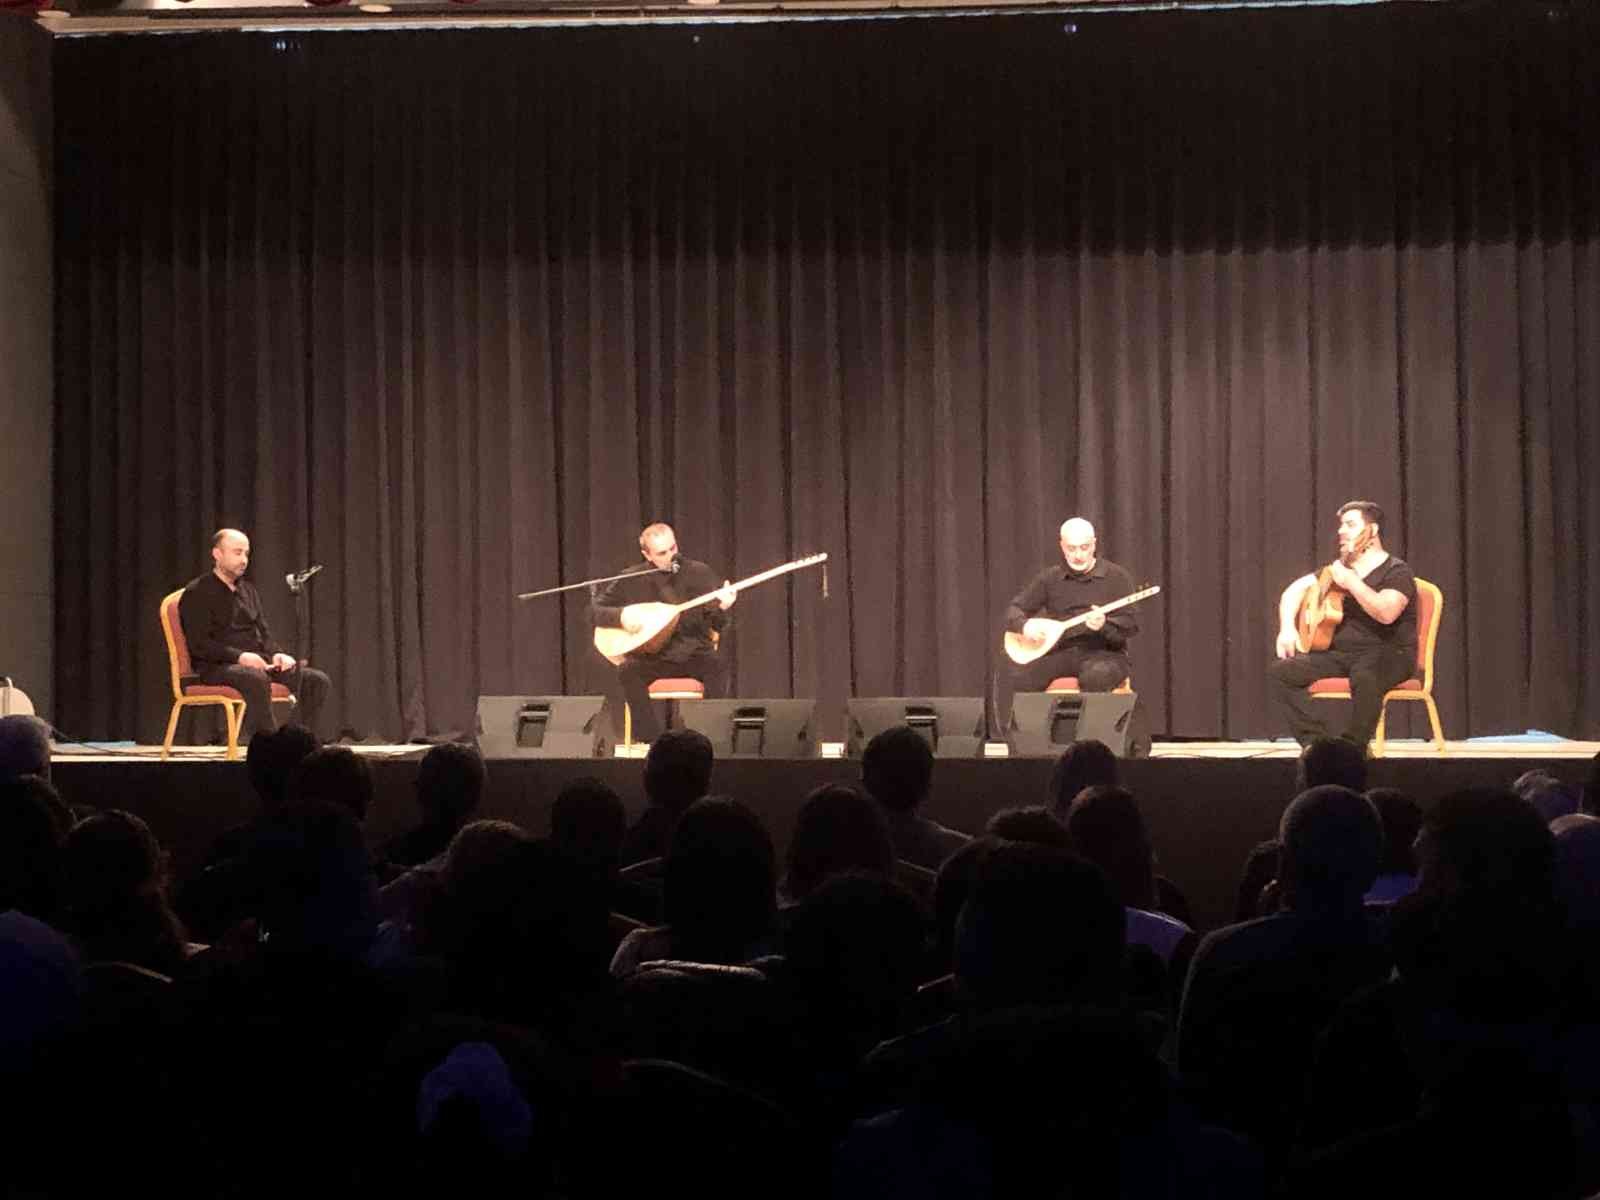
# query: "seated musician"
230,644
690,650
1096,651
1375,644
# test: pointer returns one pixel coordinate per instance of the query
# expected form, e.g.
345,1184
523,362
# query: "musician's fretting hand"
1035,630
1343,576
1288,643
1095,621
727,595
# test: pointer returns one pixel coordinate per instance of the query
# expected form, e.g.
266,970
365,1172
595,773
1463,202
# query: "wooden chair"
1430,609
188,692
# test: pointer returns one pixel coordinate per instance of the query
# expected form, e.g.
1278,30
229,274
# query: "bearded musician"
1375,644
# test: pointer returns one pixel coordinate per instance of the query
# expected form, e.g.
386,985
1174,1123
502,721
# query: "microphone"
295,579
676,565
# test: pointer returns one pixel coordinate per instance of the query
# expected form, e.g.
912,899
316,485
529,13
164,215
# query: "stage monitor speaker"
752,728
1044,725
952,725
541,726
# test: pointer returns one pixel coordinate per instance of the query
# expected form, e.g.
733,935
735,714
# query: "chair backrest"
177,644
644,871
732,1022
1430,608
916,878
666,1106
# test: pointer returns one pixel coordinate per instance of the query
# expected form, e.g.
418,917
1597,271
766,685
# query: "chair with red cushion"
1067,685
189,692
1430,608
683,688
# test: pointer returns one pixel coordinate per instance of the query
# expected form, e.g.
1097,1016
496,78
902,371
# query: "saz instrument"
1021,651
1322,608
656,620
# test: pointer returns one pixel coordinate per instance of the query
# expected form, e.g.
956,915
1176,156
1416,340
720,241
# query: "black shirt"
220,623
1361,631
692,634
1059,593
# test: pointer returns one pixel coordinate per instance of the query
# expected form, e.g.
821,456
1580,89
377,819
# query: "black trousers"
309,685
1372,672
637,674
1097,670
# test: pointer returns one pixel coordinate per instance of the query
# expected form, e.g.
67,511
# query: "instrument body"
13,700
649,615
656,620
1322,608
1021,651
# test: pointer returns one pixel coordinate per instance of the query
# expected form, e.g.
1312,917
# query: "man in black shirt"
1096,651
1375,645
691,650
230,644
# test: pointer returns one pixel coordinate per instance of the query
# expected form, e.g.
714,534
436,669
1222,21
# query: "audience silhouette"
897,771
1406,1005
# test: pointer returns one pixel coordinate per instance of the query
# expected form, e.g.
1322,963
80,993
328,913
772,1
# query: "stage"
1206,803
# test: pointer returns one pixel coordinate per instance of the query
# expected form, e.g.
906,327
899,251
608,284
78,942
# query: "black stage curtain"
455,313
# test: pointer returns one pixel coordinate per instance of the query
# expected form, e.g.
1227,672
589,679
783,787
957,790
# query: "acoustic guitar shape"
1321,613
656,620
1322,607
1021,651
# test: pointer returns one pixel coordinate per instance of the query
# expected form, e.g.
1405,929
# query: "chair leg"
1433,721
172,729
235,712
627,724
1377,735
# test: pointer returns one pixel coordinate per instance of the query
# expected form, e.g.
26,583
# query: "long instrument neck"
1113,605
1363,541
762,577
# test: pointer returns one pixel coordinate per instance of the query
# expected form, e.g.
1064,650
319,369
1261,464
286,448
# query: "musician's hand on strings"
1035,630
1288,643
1095,621
727,595
1343,576
631,622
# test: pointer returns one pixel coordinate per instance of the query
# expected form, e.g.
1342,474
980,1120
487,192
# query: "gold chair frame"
1426,642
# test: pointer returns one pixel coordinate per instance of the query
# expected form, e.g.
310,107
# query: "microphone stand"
297,588
590,583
